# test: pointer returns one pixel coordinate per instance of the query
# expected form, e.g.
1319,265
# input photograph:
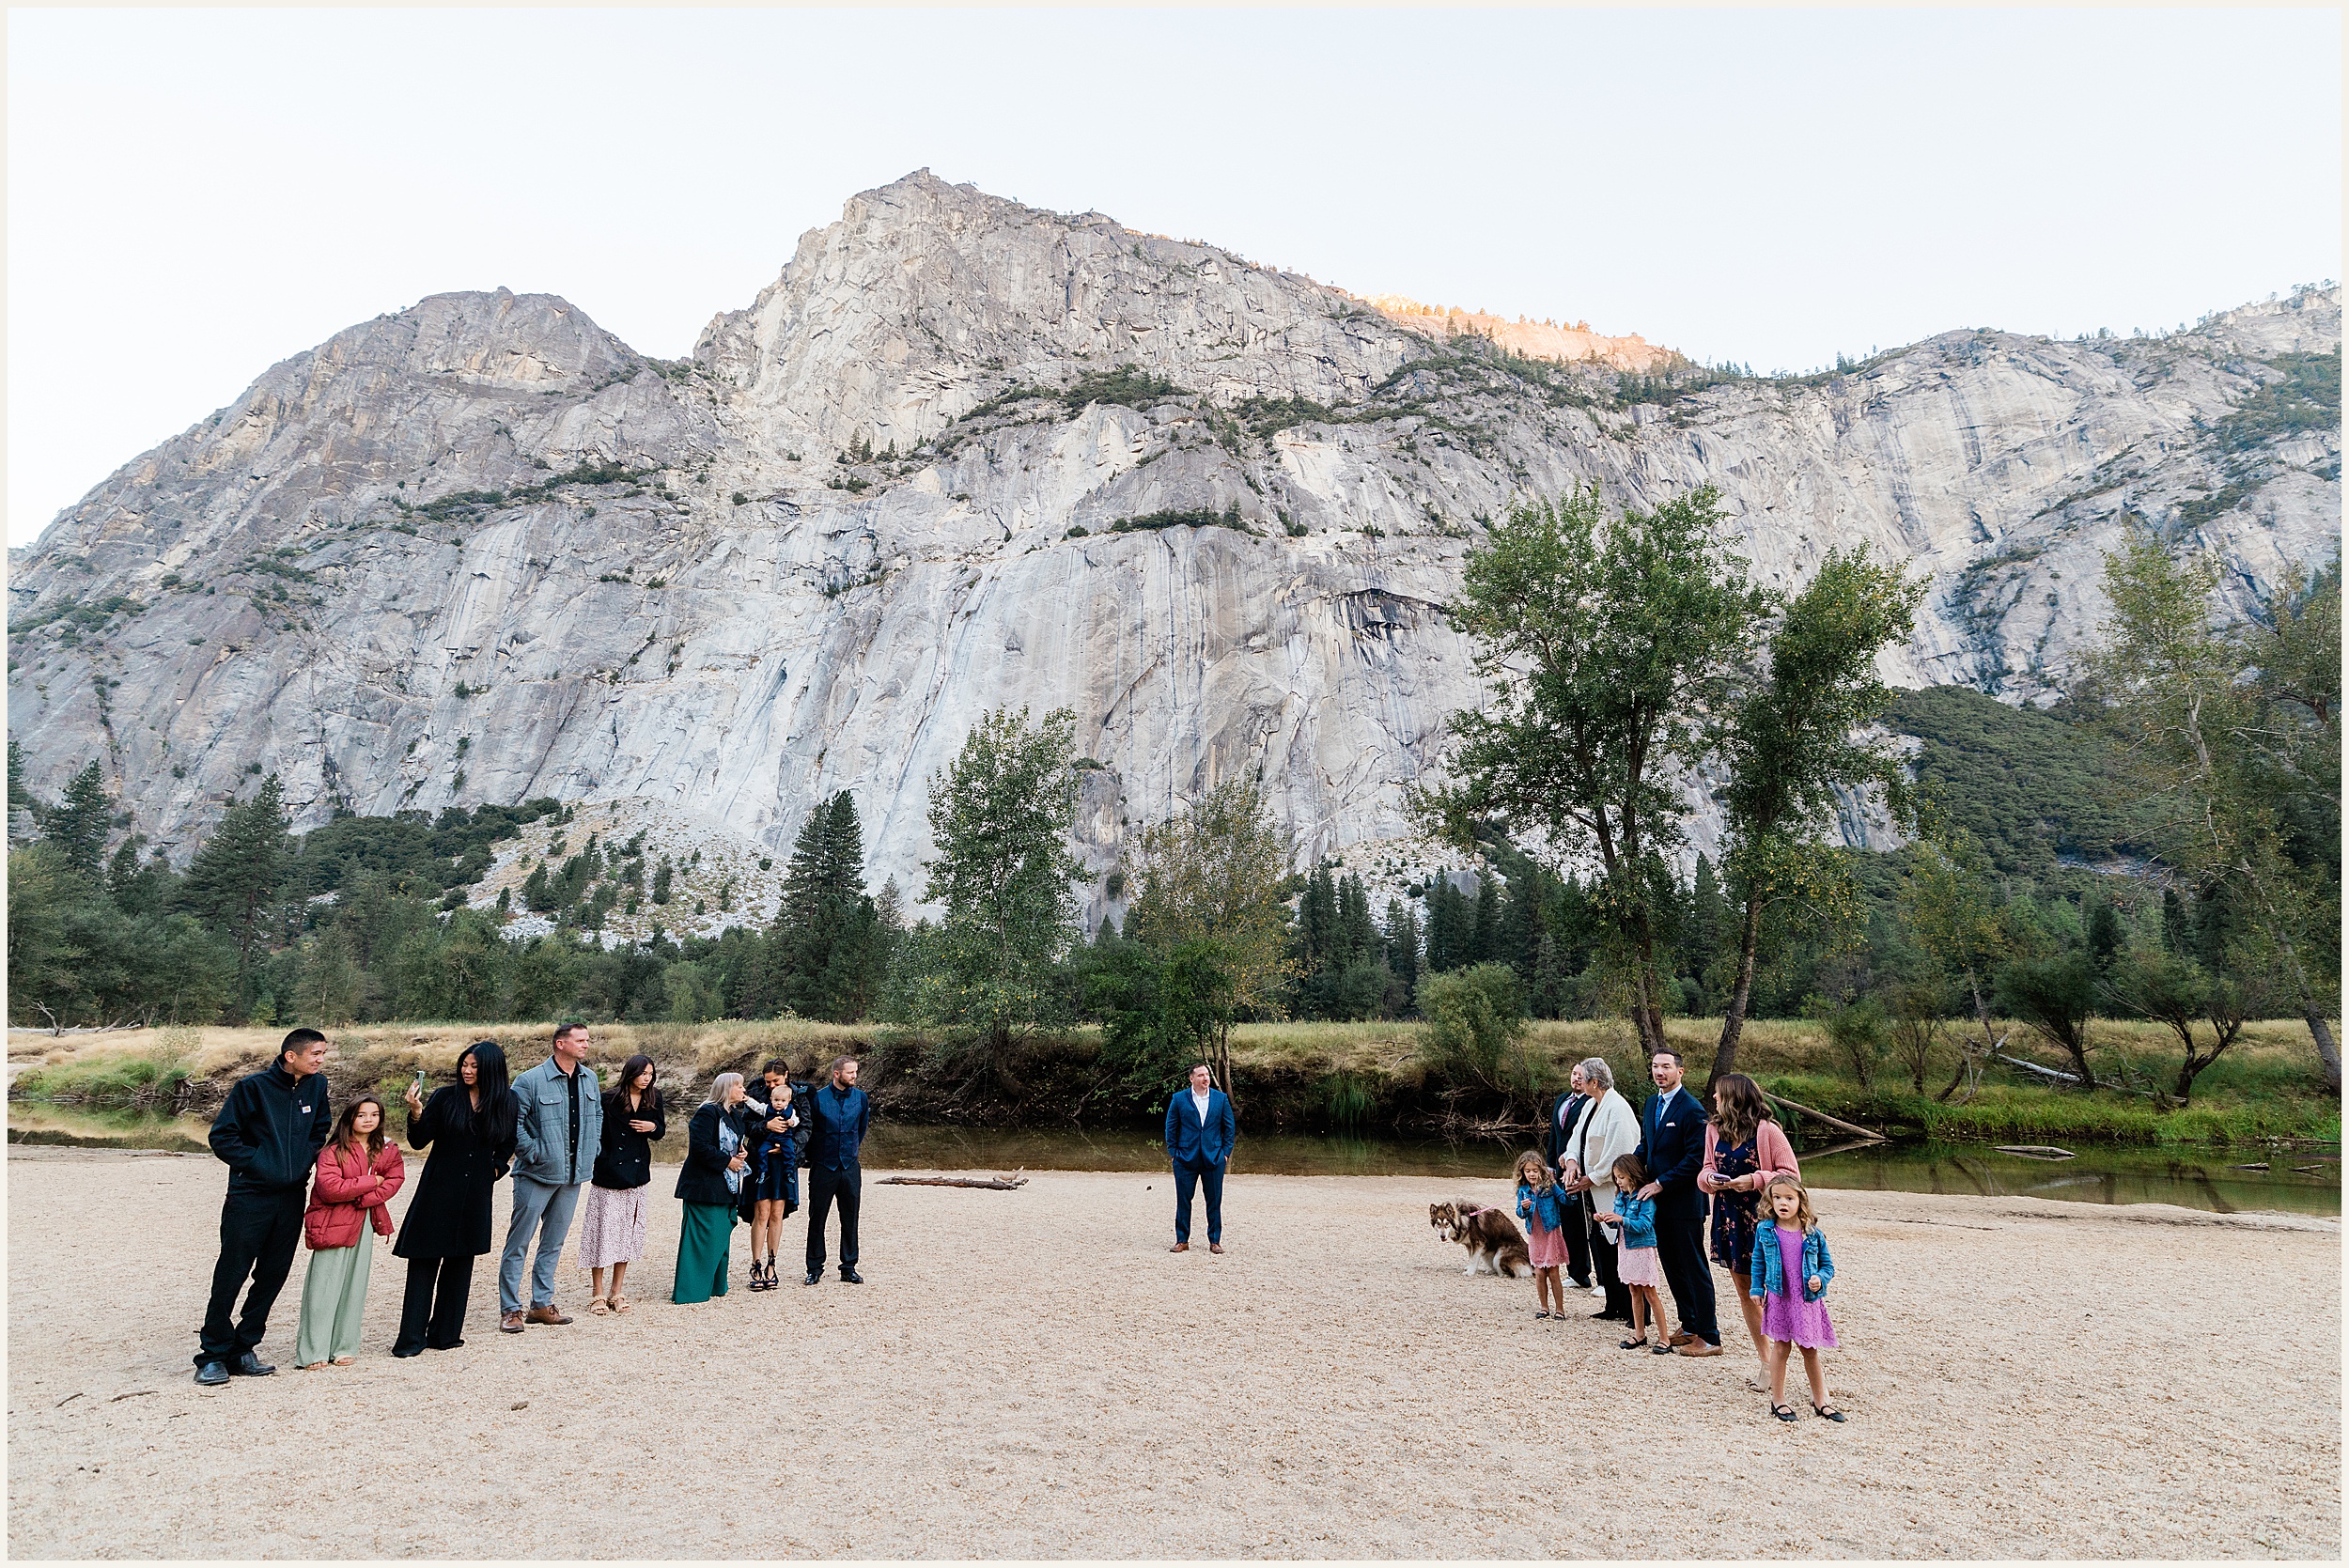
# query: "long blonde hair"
1805,1216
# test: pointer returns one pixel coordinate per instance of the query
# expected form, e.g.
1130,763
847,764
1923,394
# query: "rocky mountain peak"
927,299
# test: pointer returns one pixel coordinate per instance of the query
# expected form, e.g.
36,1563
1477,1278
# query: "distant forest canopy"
365,918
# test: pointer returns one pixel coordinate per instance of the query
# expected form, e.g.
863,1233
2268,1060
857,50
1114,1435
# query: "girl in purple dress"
1790,1273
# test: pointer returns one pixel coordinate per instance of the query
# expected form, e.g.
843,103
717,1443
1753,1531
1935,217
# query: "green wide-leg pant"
334,1297
701,1252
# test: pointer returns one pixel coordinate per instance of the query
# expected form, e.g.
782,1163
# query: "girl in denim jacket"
1790,1273
1636,1262
1542,1204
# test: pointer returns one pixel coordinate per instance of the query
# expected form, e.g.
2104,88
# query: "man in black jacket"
837,1116
1672,1146
268,1134
1565,1111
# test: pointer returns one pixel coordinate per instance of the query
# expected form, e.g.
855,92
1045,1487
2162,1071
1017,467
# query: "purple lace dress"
1789,1317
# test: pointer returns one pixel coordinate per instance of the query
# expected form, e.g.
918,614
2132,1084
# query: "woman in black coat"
710,1183
447,1226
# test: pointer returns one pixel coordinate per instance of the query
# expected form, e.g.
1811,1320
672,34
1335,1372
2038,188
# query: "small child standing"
1543,1208
1790,1275
1636,1262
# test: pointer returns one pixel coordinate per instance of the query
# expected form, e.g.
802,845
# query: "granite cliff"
963,453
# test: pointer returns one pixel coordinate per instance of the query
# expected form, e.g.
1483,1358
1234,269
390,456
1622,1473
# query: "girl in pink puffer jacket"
357,1173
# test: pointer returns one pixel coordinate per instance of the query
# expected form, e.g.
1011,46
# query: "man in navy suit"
1672,1146
1200,1131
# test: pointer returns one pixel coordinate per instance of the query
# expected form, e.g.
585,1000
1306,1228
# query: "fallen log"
1867,1133
990,1184
2070,1081
2035,1151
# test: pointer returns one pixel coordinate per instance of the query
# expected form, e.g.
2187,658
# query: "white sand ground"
1030,1374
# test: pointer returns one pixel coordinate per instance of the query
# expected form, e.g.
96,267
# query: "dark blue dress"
774,1164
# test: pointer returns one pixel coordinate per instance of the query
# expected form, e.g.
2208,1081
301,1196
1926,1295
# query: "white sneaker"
1598,1292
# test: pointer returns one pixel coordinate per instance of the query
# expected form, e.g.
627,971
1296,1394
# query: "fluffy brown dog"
1494,1243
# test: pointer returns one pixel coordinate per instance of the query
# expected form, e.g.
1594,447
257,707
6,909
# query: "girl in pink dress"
1790,1273
1633,1228
1543,1208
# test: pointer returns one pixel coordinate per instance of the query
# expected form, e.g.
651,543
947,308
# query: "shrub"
1476,1027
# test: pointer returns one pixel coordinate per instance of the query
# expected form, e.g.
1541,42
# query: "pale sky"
193,196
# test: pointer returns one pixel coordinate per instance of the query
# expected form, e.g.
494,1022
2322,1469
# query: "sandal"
619,1303
1664,1349
596,1307
1759,1384
1784,1412
1538,1316
1630,1344
340,1361
1827,1412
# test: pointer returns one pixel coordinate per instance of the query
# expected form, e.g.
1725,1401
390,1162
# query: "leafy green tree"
237,872
2054,994
79,823
454,972
1795,738
1001,818
330,988
1218,875
693,993
1951,913
1603,645
2233,759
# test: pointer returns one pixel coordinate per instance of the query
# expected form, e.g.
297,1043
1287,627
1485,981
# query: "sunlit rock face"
481,550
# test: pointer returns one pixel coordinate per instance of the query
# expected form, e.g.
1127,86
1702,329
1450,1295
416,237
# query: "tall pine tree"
78,824
238,871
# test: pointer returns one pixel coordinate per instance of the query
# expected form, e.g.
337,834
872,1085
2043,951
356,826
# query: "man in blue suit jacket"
1200,1131
1672,1146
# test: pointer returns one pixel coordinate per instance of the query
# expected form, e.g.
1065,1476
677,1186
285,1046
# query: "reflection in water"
2098,1176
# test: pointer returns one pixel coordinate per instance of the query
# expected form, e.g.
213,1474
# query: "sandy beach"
1031,1373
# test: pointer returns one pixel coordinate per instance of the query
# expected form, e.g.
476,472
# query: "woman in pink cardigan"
1744,1147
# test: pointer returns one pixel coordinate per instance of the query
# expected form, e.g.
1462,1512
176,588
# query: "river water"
2300,1181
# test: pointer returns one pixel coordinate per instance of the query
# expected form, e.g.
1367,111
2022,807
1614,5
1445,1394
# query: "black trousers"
1578,1252
259,1233
1680,1251
823,1189
1603,1265
433,1314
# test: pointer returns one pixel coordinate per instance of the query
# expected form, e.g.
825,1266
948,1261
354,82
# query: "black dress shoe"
403,1355
850,1277
249,1365
815,1275
1610,1317
211,1375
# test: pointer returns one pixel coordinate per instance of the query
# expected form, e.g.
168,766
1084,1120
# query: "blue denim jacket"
1551,1203
1639,1219
1768,1276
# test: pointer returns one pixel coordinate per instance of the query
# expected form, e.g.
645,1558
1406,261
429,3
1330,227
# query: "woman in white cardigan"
1609,1130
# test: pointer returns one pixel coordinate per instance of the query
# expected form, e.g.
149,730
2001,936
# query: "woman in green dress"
710,1183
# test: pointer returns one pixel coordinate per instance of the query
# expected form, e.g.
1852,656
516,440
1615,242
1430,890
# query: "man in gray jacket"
558,1127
